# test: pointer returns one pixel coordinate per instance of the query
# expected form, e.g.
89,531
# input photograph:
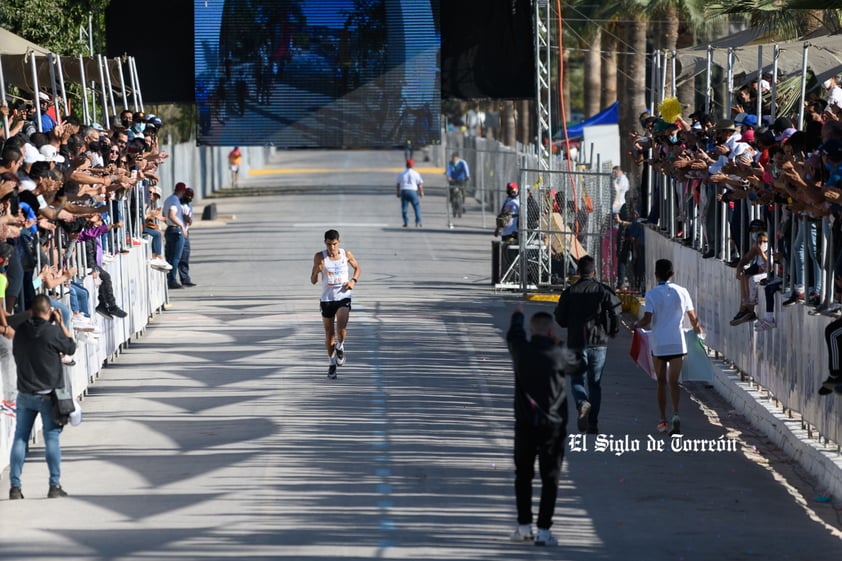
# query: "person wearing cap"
184,262
176,232
47,121
834,91
150,228
410,189
458,175
508,218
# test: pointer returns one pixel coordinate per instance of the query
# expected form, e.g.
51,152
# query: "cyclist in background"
458,176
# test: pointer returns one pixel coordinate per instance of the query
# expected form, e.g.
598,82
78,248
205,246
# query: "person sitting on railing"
750,270
91,235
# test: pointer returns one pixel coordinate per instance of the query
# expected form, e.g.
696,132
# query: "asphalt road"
217,434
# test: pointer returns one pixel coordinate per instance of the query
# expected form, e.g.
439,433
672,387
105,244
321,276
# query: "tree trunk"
593,75
634,103
687,90
610,80
670,35
524,121
508,135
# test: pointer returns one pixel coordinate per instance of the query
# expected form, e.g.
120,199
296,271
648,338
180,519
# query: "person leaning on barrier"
37,348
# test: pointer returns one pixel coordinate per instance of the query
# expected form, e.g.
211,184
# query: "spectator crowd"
762,194
73,197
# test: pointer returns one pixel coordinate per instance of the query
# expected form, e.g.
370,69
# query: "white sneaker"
545,537
82,324
523,533
162,264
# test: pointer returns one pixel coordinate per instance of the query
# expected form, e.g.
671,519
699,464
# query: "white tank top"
334,275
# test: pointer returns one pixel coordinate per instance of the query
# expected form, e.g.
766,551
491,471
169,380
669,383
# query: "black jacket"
540,366
590,312
36,347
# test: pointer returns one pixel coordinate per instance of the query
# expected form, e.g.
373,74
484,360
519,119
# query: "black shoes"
188,284
174,286
331,372
56,492
102,310
833,383
796,298
117,312
15,494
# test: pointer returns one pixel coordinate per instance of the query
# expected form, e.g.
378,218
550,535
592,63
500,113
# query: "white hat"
31,154
43,96
51,154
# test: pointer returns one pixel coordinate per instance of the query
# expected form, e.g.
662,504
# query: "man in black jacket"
540,365
37,348
590,312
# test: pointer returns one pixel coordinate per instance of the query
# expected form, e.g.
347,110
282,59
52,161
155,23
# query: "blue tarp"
608,116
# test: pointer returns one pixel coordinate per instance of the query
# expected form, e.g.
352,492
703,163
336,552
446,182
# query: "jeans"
65,312
594,360
174,248
184,262
407,197
549,447
28,407
79,298
157,246
806,233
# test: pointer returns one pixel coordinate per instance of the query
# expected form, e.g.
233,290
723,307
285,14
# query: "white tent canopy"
824,56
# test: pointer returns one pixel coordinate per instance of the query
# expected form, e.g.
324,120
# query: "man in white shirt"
410,189
175,234
834,91
621,187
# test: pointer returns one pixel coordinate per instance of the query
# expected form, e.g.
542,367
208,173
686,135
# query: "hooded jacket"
36,347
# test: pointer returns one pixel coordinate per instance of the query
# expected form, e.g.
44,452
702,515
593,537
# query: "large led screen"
317,73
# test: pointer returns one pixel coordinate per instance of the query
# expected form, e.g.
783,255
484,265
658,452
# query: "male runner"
332,263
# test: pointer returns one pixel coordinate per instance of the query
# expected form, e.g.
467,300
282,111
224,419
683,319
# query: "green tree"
55,24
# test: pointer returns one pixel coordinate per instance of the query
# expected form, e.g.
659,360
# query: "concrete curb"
786,433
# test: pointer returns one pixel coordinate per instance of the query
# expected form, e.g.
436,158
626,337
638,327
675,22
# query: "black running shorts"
329,308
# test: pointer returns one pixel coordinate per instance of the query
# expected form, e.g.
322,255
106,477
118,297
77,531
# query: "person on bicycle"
458,175
509,214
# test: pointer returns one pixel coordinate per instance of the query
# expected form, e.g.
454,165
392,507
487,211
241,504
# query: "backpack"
503,219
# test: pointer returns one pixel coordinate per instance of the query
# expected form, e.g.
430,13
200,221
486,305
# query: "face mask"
139,127
36,283
775,171
674,139
826,84
764,246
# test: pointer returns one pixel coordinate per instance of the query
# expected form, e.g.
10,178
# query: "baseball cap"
180,186
43,96
189,192
32,155
97,127
725,125
739,118
748,136
154,189
51,154
410,163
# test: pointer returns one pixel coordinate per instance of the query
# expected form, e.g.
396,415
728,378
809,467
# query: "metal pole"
37,102
122,82
53,86
3,98
774,84
759,83
708,84
85,109
674,90
729,97
104,95
61,83
110,89
134,85
137,81
663,79
800,125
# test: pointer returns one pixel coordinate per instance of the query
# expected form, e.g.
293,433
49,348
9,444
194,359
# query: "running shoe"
331,372
796,298
340,356
676,425
662,425
582,421
830,384
545,537
523,533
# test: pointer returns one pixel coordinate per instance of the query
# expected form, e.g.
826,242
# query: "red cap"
410,163
180,186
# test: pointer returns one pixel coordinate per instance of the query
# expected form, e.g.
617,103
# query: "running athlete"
332,264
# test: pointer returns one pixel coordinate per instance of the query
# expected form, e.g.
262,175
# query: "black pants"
833,339
106,289
548,445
